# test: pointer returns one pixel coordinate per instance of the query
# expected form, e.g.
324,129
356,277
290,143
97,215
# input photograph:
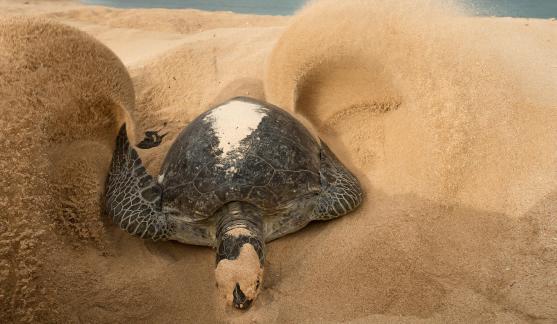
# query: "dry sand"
449,122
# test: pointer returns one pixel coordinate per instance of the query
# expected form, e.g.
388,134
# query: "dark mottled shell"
274,165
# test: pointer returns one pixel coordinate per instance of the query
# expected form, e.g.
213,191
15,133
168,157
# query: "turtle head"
239,280
240,254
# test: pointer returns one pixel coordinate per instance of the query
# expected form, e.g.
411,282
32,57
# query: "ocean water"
262,7
513,8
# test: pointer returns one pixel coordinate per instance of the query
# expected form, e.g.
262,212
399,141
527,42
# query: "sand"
447,120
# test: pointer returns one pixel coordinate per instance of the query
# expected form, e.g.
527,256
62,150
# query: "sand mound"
442,112
451,138
60,90
455,154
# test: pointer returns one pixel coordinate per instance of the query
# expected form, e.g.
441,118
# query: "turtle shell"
242,150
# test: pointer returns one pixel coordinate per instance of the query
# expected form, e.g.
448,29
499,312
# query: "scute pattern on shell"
277,162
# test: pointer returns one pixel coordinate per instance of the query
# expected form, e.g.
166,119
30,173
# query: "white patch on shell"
244,270
160,178
234,121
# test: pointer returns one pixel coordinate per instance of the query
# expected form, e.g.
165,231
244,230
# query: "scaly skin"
340,190
133,198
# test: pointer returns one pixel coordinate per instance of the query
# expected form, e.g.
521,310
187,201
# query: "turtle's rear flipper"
133,198
151,139
340,190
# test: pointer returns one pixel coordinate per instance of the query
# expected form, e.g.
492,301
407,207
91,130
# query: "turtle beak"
240,301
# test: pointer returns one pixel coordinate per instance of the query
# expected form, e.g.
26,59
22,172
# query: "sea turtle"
241,174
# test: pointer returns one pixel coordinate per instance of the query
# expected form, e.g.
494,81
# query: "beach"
448,121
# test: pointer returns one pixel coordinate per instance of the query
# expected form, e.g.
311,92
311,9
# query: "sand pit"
448,121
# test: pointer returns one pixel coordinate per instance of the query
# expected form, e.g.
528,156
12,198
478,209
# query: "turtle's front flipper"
340,190
133,198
